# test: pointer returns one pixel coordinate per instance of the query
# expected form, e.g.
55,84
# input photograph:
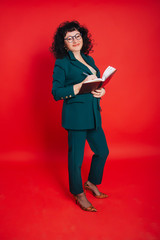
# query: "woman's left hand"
98,93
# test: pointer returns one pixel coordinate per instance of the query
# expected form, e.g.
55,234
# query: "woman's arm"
59,90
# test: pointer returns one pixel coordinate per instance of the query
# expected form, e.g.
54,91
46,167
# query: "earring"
66,48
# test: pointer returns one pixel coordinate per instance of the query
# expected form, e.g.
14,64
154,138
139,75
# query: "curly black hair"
58,48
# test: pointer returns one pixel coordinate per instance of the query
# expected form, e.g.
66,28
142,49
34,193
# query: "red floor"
35,203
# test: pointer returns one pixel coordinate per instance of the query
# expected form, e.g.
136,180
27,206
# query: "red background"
126,35
34,195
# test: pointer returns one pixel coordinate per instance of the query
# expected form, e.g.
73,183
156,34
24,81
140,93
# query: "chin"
78,48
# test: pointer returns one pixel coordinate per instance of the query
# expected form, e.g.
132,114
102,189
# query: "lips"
76,45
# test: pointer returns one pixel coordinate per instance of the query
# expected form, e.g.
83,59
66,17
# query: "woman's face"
73,41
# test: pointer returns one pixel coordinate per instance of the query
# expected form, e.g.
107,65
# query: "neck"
77,54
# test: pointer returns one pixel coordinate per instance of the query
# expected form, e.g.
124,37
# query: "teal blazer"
79,112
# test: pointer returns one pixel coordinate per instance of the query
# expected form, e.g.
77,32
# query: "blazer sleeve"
59,90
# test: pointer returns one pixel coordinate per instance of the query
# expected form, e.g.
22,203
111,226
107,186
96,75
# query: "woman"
81,112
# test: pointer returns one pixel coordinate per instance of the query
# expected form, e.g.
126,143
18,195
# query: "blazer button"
66,96
70,95
61,97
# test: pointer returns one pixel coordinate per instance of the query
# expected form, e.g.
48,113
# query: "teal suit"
81,117
79,111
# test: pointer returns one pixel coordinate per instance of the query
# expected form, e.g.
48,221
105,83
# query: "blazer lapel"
87,60
81,65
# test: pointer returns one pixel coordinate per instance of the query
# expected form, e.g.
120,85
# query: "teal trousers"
76,144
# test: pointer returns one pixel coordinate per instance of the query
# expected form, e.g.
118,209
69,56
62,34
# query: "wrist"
76,89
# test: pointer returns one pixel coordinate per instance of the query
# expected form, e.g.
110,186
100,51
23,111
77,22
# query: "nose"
74,39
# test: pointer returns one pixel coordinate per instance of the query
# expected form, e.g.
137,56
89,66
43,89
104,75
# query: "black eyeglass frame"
73,37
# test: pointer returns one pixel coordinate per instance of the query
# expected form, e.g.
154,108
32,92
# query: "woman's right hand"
78,86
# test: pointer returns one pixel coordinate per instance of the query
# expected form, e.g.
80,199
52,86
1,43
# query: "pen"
85,73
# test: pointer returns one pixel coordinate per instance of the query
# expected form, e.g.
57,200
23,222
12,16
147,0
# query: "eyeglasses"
70,39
